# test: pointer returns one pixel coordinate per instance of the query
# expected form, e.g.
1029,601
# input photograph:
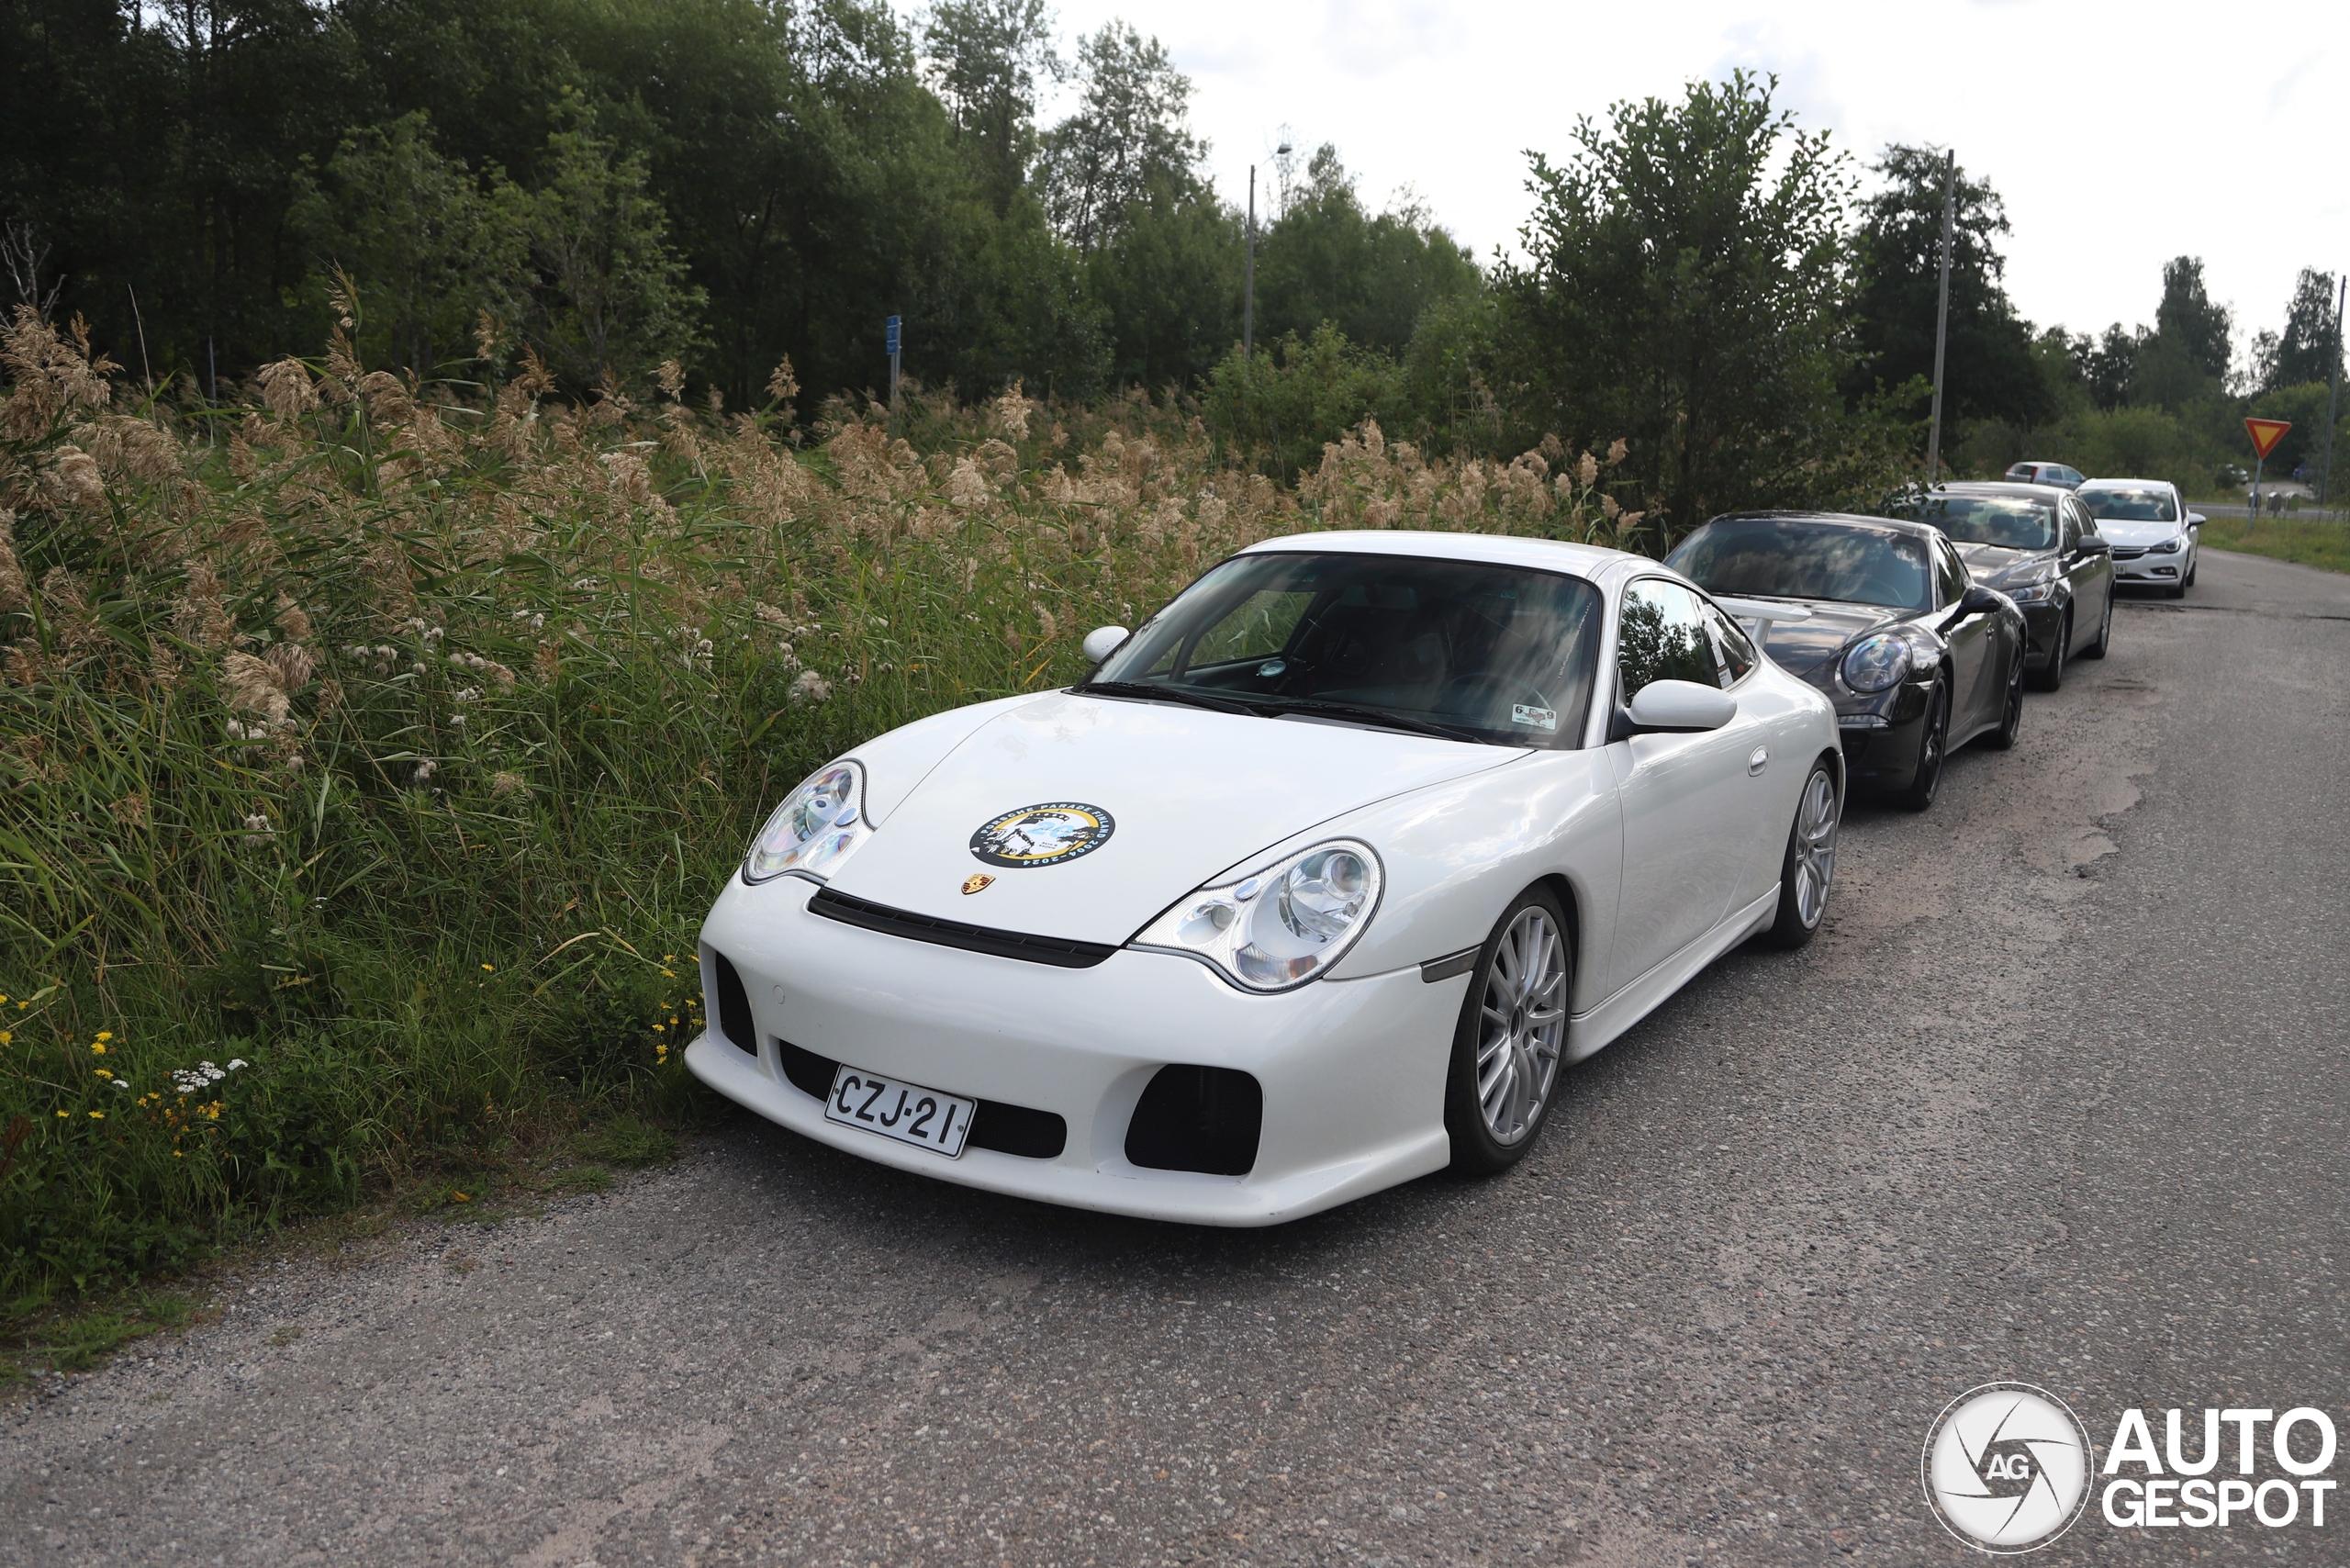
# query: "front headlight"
1876,664
2028,593
1281,926
819,825
2167,547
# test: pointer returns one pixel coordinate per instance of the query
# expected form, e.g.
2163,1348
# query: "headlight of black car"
1877,663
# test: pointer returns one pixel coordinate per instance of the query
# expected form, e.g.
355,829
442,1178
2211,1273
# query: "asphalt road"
2057,1097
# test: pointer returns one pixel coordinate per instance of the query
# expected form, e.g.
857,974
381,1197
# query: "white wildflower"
238,1064
811,687
425,770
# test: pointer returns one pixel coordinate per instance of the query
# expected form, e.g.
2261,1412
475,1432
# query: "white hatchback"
2155,539
1314,886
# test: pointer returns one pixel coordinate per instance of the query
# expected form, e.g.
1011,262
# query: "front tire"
1933,747
2051,676
2011,717
2104,631
1808,870
1512,1038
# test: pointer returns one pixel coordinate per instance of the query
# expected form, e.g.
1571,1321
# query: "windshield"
2013,522
1504,653
2131,506
1796,557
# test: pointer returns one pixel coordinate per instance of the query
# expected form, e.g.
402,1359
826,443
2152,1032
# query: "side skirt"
1587,1032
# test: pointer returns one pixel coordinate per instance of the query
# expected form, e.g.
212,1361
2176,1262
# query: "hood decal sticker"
1052,834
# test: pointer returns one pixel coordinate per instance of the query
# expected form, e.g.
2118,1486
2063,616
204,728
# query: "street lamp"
1248,289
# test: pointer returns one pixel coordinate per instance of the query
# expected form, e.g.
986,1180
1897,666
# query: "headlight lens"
1876,664
2167,547
2028,593
819,825
1281,926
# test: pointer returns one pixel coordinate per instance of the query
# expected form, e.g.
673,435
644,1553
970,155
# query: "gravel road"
2058,1097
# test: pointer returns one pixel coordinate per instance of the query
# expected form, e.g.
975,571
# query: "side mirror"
1103,641
2195,519
1980,601
2096,545
1673,707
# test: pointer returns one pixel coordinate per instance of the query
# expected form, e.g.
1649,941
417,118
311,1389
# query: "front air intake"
735,1019
1197,1119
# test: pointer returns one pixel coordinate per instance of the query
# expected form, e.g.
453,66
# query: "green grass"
369,756
2310,542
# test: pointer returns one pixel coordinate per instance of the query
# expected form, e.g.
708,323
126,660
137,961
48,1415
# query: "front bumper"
2044,623
1883,758
2150,569
1352,1071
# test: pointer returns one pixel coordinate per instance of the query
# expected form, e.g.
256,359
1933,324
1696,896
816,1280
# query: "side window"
2070,511
1732,651
1662,637
1949,573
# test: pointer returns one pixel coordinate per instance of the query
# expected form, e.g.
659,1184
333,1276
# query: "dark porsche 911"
2040,546
1881,616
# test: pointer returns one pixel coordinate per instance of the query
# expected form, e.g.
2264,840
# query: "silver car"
2155,539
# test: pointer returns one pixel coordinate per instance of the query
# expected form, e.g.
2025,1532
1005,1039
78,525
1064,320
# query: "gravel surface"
2056,1097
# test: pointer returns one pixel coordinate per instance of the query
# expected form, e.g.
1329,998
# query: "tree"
1683,288
2107,364
985,58
2309,349
2189,321
1127,143
612,294
1326,258
418,234
1989,370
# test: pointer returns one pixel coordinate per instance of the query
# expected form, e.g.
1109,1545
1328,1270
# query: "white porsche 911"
1312,886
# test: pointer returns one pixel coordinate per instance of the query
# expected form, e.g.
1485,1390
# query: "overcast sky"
2120,134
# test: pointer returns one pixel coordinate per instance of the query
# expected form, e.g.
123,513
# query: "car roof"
2004,487
2147,484
1846,519
1590,561
2038,462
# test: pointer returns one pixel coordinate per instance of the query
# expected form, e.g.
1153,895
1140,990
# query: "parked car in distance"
1880,617
2039,546
2155,539
2055,473
1314,886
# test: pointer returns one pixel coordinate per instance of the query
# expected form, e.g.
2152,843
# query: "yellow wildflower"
104,1073
97,1115
105,1033
7,1038
97,1047
64,1112
489,969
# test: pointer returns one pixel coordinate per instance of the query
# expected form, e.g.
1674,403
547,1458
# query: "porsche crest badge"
977,881
1052,834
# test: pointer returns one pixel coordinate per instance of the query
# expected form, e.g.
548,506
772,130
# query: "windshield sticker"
1537,718
1053,834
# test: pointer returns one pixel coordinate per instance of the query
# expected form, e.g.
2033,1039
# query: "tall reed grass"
373,749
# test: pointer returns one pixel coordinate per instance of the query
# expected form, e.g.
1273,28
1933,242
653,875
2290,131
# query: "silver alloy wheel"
1816,823
1524,1025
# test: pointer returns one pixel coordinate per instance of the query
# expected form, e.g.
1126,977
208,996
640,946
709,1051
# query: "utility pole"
1941,313
1248,288
2333,391
892,325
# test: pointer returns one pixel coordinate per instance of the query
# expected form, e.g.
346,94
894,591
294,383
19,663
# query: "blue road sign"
893,334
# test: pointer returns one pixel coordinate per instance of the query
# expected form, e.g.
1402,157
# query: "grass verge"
2308,542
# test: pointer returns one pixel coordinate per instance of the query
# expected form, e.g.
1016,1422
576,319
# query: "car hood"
1188,793
2117,531
1989,562
1807,649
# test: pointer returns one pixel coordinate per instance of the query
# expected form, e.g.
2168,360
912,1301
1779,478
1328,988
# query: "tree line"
612,184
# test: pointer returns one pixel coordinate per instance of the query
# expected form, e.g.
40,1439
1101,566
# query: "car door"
2089,573
1689,803
1976,694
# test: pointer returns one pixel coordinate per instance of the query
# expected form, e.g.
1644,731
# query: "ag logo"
1050,834
977,882
2007,1467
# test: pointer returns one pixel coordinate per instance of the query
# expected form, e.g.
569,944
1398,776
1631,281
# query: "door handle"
1757,762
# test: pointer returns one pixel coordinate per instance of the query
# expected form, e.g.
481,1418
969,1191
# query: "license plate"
907,1112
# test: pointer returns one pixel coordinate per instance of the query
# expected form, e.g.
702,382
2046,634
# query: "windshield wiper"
1150,693
1379,716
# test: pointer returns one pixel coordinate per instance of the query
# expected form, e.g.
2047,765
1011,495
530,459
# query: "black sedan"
1881,616
2040,546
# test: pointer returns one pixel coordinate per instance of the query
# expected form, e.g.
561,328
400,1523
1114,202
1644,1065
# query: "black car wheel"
2051,676
1512,1038
1934,740
1810,868
2011,717
2194,563
2174,590
2104,631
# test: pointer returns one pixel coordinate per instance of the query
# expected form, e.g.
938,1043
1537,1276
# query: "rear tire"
2104,631
2051,678
1510,1045
1808,870
1933,751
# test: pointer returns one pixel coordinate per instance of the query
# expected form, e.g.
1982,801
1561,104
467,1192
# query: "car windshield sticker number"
1053,834
1538,718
